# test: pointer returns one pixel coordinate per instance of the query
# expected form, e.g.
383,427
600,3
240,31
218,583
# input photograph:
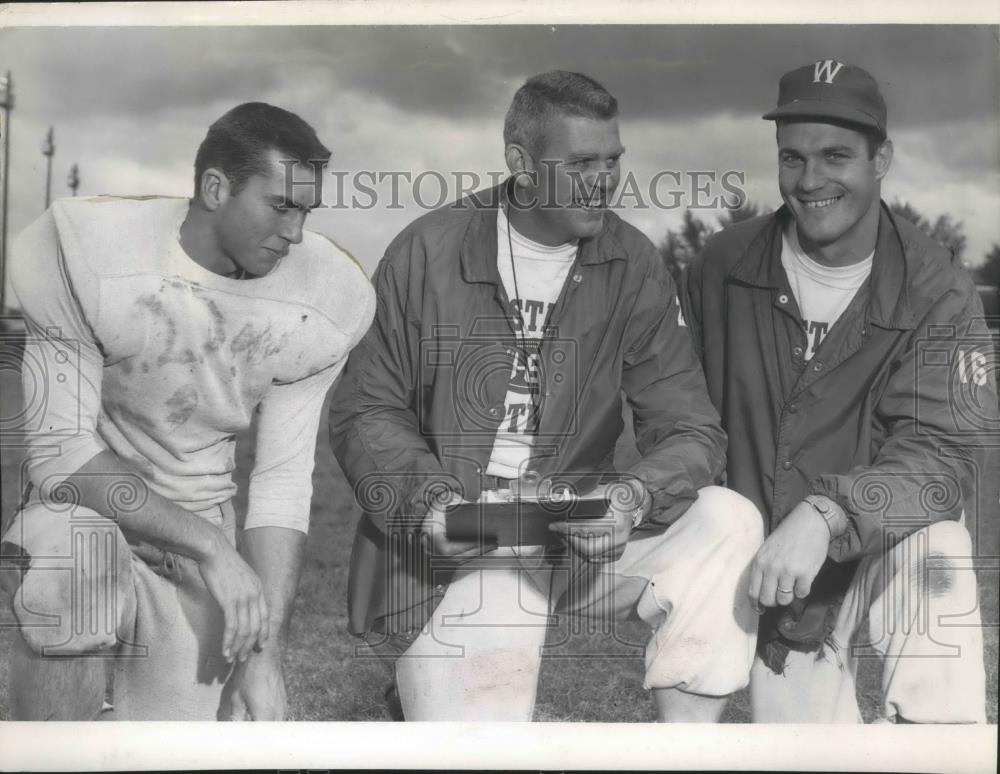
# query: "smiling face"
255,227
575,174
832,186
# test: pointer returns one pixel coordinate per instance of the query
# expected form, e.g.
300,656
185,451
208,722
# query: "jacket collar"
478,254
889,305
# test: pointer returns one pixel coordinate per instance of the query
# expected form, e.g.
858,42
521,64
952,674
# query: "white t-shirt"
822,292
541,273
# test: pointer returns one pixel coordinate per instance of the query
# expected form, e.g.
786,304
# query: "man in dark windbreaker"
847,356
508,327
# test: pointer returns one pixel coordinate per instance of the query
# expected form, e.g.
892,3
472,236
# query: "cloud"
957,149
146,73
667,71
952,169
655,70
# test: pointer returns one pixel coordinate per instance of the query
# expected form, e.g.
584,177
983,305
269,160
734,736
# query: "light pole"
48,150
7,103
73,181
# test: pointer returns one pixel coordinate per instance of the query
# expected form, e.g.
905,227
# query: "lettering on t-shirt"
527,317
522,394
815,333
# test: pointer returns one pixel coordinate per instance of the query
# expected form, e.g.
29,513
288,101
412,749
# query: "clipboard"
518,522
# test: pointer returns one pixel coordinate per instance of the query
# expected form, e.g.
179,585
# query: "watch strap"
833,514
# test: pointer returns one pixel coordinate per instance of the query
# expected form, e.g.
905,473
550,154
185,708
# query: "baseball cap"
833,90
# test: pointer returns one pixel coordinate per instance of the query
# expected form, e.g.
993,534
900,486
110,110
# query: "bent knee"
730,514
62,612
74,591
949,538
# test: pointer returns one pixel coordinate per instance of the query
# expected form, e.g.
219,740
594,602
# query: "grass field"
593,680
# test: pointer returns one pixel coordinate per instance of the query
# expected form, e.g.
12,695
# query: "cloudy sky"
130,105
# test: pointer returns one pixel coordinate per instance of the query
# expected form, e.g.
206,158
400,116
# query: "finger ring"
783,591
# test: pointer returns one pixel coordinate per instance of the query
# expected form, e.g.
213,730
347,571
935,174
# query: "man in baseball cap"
813,324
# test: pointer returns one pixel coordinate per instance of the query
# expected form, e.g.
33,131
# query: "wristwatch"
836,520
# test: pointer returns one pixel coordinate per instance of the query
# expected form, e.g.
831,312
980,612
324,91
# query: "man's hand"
604,539
256,690
433,526
239,593
787,563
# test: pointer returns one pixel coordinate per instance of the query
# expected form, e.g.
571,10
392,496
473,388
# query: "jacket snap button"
494,412
797,351
577,278
818,367
787,464
782,299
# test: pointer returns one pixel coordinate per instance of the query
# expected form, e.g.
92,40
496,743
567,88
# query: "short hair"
552,93
873,137
238,143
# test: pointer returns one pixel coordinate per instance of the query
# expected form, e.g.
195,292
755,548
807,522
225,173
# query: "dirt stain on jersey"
216,334
217,329
256,345
155,308
182,405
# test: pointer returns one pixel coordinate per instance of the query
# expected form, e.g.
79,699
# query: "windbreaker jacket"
887,416
423,394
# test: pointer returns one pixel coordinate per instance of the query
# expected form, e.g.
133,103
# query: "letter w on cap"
825,72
